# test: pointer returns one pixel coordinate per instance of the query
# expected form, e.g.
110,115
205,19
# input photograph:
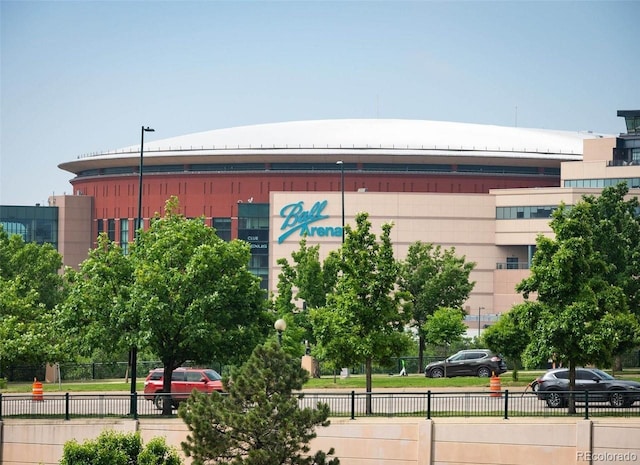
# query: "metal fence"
427,404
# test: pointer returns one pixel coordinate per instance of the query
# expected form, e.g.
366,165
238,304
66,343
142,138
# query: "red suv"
183,381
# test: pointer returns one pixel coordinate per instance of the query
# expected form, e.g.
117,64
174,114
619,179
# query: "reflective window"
332,166
222,227
124,235
34,223
111,229
524,212
253,226
633,183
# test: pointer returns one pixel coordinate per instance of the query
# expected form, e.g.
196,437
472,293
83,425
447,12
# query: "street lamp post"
139,221
479,308
339,162
133,354
280,326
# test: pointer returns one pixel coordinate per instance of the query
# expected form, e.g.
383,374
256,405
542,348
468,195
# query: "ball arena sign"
297,219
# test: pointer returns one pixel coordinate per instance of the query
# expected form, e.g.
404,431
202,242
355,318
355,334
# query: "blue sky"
82,76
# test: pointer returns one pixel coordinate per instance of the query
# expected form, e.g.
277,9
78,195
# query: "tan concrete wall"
378,441
74,227
41,441
597,149
464,221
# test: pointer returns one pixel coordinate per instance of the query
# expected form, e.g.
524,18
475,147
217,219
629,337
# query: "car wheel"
159,400
484,372
436,373
555,400
618,399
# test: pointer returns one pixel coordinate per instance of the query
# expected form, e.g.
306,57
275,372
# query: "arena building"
485,190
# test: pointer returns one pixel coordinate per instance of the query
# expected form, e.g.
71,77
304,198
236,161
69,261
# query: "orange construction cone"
495,389
37,392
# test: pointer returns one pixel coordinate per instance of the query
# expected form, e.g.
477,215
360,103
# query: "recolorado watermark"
607,457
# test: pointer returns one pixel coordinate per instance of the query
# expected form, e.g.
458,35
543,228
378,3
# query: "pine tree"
258,420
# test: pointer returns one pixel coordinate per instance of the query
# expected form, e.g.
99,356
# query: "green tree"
113,448
616,228
435,278
96,315
362,321
510,335
313,281
183,293
580,316
30,289
445,327
258,420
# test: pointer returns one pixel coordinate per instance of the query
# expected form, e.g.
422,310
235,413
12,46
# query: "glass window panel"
111,229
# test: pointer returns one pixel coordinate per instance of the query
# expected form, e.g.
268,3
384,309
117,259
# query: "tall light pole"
339,162
139,221
133,354
280,326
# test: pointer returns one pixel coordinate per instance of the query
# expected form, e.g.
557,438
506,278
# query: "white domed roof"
361,137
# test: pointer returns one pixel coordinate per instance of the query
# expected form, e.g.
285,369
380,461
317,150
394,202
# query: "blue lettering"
297,219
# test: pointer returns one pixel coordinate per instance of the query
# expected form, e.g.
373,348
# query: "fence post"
506,404
134,404
428,405
67,415
586,404
353,405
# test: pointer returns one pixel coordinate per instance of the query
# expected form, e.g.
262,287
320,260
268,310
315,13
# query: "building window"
222,227
124,235
35,224
111,229
512,263
253,227
533,212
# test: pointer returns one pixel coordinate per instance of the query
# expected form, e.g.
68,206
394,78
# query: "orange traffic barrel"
495,390
37,392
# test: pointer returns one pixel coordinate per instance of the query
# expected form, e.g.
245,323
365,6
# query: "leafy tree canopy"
30,288
434,278
445,326
312,280
362,320
580,315
511,334
183,293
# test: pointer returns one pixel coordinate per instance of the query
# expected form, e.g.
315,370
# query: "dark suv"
553,387
472,362
183,381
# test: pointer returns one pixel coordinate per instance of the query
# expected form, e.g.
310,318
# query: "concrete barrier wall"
378,441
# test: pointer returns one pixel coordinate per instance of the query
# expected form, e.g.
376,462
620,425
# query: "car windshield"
212,375
602,374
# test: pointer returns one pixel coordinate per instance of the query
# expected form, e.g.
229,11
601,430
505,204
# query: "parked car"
472,362
553,388
183,382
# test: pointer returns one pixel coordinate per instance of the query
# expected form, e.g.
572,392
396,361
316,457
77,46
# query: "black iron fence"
427,404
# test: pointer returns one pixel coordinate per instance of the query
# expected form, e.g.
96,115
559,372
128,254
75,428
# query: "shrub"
113,448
